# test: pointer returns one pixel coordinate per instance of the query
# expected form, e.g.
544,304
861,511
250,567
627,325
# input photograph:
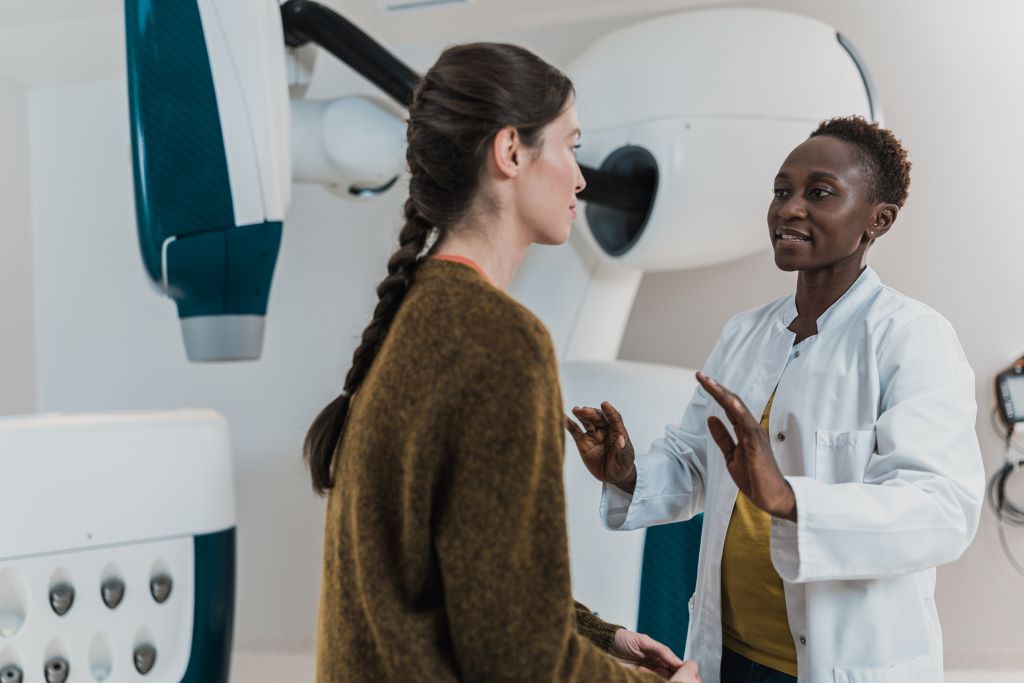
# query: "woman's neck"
817,290
490,247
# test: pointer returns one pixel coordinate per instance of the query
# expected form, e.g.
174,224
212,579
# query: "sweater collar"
464,261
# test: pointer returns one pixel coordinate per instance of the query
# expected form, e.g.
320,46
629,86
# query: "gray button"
796,354
57,670
160,587
112,591
803,640
62,596
10,674
781,436
145,658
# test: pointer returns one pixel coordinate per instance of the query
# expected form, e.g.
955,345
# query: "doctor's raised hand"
749,458
604,445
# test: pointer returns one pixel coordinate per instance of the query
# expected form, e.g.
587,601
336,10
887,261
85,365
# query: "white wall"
17,334
951,77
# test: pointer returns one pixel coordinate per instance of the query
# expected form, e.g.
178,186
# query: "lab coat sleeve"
671,476
920,500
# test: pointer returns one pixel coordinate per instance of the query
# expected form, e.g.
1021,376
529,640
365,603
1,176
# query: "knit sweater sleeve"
594,628
500,527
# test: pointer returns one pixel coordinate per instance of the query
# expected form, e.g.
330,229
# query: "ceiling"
56,41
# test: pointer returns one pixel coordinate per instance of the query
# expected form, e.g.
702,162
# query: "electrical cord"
1006,510
1016,444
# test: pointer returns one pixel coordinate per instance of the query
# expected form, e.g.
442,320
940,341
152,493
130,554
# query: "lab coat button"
781,436
803,640
796,354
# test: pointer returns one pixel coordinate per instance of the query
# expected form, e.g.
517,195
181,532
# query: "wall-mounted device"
1010,394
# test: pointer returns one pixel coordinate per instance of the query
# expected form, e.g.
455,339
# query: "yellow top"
754,619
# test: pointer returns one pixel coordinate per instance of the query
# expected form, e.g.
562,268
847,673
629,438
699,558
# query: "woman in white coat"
830,445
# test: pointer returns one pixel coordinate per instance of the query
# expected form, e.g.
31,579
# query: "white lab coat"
873,426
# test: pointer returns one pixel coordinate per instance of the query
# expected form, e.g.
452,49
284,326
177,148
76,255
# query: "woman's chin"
786,263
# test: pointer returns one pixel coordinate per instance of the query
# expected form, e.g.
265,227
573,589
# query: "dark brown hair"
460,104
881,153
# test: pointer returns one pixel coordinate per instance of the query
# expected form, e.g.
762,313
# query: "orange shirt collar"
464,261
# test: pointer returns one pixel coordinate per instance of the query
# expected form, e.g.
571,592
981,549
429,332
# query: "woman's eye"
575,148
819,192
779,193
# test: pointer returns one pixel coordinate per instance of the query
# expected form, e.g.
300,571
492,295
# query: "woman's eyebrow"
813,175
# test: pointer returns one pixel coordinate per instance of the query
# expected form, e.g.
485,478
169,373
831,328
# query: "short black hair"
882,153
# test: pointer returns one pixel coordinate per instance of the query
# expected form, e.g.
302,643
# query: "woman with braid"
445,551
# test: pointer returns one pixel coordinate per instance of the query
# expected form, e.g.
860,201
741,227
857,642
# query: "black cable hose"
306,21
1006,510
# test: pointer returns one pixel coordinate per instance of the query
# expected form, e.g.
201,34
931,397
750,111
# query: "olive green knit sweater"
445,551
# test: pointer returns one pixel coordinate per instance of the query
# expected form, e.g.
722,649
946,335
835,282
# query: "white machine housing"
253,104
719,97
352,144
104,496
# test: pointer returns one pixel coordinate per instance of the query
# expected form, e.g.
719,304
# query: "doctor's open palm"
604,444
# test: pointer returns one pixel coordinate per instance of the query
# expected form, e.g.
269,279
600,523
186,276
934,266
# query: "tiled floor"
263,668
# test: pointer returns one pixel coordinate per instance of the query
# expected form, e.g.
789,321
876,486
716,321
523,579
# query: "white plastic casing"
245,44
90,497
719,97
351,143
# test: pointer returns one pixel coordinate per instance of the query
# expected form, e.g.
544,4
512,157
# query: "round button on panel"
144,657
112,591
56,671
160,587
62,596
10,674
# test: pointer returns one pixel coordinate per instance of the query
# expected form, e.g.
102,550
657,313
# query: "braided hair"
471,93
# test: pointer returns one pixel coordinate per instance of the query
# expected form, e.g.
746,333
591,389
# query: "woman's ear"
884,217
507,149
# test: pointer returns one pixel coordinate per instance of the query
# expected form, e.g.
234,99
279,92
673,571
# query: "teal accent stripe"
227,272
179,164
213,621
667,581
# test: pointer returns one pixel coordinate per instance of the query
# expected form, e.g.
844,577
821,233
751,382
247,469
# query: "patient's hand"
641,651
687,673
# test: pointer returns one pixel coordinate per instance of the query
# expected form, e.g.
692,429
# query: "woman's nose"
792,209
581,182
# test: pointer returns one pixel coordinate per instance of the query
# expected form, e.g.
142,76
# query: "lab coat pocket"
917,670
842,457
